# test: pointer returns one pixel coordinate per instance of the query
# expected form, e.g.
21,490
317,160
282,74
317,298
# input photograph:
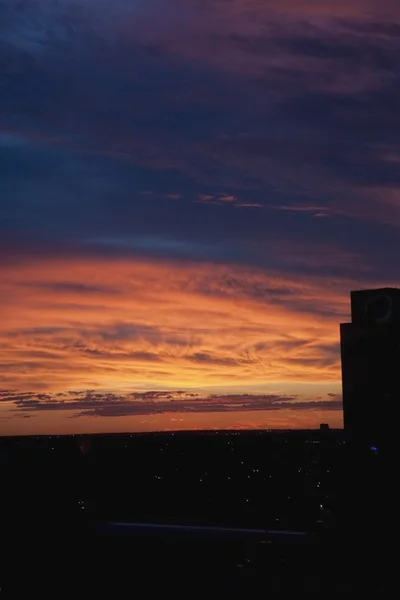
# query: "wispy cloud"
165,324
160,402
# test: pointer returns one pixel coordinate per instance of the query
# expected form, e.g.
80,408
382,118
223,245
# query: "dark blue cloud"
110,132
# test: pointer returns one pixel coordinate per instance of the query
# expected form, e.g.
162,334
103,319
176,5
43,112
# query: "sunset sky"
189,190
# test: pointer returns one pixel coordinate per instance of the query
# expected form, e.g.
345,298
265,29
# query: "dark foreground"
60,496
81,564
280,480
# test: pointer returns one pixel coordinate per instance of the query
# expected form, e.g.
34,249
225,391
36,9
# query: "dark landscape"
273,480
61,493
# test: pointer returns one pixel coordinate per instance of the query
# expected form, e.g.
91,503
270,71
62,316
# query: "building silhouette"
370,352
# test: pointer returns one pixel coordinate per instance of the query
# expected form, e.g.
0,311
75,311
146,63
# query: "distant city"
279,480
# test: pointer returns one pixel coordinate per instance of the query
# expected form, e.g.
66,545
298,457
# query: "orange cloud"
118,322
120,326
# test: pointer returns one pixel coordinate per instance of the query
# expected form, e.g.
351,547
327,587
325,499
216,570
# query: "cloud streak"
160,402
154,322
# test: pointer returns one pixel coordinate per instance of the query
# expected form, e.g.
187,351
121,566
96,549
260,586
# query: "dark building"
370,351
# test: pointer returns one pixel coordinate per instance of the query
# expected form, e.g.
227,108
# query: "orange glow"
121,326
178,312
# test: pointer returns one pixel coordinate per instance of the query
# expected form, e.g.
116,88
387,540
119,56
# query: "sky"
189,190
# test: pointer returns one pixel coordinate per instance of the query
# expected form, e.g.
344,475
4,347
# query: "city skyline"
189,190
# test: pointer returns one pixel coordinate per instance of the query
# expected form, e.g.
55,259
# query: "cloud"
189,138
163,402
167,323
65,287
293,53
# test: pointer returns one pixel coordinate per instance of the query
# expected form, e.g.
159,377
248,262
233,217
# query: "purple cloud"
160,402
